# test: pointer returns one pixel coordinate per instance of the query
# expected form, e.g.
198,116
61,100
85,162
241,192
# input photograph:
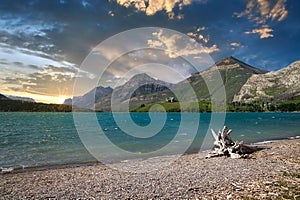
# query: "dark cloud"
35,67
48,81
67,30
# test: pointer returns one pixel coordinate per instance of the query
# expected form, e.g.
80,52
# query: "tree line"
7,105
206,106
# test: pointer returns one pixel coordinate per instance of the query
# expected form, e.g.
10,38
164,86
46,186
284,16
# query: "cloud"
198,35
150,61
30,57
26,72
262,12
85,4
176,47
22,26
235,44
26,33
111,13
49,81
151,7
279,11
264,32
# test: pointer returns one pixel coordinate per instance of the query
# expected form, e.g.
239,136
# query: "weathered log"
225,146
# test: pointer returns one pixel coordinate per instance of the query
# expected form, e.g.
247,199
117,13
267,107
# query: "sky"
43,43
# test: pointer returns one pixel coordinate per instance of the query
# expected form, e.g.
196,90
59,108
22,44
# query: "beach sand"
272,173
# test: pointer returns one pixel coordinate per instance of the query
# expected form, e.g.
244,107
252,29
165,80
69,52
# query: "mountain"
242,82
279,85
144,85
21,98
234,74
3,97
88,99
68,101
140,89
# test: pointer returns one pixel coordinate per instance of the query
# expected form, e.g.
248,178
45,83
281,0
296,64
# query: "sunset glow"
41,52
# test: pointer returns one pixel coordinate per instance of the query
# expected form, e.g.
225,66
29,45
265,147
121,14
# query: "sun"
60,100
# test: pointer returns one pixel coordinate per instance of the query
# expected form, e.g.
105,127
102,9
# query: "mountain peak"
143,78
228,60
232,62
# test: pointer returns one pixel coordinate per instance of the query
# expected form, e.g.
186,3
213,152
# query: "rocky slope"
279,85
89,98
140,89
234,74
242,82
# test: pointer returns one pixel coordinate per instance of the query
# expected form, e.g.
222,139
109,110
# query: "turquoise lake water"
45,139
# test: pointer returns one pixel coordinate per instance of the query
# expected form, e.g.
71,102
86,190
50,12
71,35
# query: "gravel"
272,173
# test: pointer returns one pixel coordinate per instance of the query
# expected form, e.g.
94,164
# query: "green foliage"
275,90
235,79
203,106
206,106
265,106
7,105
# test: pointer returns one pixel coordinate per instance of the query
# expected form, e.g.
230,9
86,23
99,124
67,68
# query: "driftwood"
225,146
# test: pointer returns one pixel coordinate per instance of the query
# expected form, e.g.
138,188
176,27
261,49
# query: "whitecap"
266,142
6,170
295,137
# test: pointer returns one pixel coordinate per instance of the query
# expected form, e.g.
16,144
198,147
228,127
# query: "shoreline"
96,162
5,170
268,174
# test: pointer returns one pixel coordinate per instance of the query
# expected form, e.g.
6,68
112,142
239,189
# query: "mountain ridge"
277,85
235,75
89,98
146,90
3,96
28,99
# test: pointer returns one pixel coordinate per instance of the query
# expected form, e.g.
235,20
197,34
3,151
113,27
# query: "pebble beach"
272,173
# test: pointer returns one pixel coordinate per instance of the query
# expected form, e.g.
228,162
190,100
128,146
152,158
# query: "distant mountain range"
3,96
10,97
90,98
243,83
21,98
150,90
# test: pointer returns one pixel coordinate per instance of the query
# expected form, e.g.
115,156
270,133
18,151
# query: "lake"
50,139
